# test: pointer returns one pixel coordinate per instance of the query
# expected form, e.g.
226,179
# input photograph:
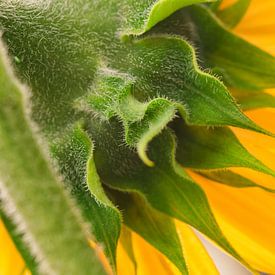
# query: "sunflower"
128,127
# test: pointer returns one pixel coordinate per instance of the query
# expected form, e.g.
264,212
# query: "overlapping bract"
106,88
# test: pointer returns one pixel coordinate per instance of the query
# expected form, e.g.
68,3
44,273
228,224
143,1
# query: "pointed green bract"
161,67
41,208
123,72
165,186
156,228
170,70
232,179
200,98
75,159
240,64
142,121
143,15
203,148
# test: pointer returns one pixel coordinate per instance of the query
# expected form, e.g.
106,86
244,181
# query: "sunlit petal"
11,262
247,218
150,261
261,146
194,252
124,264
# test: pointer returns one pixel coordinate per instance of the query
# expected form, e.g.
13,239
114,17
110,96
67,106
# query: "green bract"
32,195
113,105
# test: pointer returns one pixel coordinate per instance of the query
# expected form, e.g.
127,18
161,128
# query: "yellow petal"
247,219
197,258
261,146
263,117
149,260
124,264
258,24
11,262
270,91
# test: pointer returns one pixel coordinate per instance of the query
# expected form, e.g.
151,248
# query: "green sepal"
66,43
162,67
240,64
165,186
230,178
74,155
233,14
112,95
244,66
143,15
31,194
156,228
201,98
213,148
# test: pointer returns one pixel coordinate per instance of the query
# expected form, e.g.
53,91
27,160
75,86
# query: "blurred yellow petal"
11,262
258,24
270,91
257,177
198,260
264,117
247,218
124,264
261,146
150,261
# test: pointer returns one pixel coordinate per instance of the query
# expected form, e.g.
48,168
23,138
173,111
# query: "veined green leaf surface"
41,209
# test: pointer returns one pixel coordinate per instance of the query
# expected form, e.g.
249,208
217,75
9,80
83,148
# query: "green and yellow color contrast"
125,125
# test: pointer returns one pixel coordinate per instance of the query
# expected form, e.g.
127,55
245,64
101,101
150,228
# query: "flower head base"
140,106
